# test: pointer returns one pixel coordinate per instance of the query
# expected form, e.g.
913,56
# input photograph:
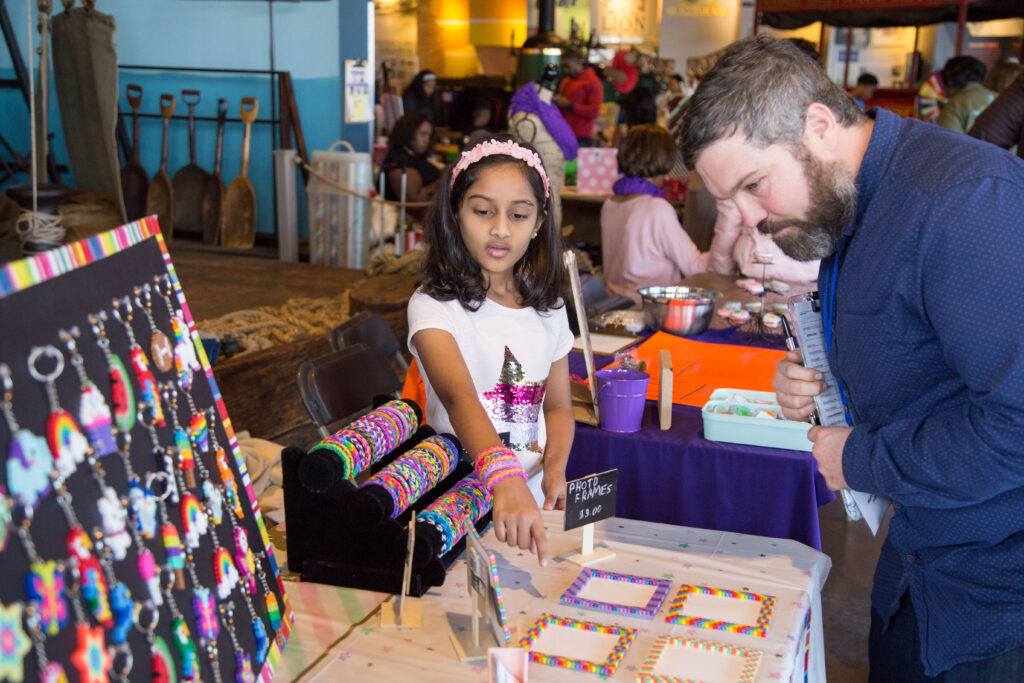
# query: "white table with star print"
346,643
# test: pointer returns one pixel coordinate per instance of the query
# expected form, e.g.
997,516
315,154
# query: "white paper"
691,664
810,332
575,643
617,592
605,344
358,95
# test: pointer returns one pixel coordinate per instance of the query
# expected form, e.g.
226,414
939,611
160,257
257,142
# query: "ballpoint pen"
791,345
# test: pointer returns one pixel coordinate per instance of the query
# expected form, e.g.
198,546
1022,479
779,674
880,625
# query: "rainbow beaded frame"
493,562
758,629
605,668
571,595
751,659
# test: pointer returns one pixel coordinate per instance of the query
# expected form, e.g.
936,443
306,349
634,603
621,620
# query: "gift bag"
596,169
341,224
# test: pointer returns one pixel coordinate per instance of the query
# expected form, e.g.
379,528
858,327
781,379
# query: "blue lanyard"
829,319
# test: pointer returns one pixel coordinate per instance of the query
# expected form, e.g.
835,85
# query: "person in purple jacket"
919,232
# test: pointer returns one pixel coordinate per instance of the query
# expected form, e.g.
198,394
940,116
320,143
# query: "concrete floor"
846,596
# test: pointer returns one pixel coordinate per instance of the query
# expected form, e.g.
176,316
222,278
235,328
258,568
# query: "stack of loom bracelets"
758,629
661,586
349,451
605,668
445,521
402,482
649,673
497,463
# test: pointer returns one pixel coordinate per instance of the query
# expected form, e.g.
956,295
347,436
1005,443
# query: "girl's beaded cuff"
497,463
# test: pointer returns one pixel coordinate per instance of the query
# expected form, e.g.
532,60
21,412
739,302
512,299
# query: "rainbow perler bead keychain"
605,668
758,629
648,672
661,586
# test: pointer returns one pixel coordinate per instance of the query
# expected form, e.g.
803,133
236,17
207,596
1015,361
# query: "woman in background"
421,95
408,147
642,243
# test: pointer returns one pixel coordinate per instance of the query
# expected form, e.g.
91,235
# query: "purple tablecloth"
679,477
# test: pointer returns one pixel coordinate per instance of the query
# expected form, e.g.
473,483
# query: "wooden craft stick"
665,389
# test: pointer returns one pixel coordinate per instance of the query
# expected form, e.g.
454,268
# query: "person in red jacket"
579,96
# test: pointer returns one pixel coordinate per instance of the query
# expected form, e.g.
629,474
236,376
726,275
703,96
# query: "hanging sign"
358,91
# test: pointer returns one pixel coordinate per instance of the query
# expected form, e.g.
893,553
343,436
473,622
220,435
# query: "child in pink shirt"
642,242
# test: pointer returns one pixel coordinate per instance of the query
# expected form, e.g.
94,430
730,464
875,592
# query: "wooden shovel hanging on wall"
239,227
190,180
160,198
134,181
213,192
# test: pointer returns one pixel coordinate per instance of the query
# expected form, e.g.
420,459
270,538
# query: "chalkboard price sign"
590,499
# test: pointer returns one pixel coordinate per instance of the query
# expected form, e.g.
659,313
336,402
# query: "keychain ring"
143,609
127,303
140,415
128,661
147,294
159,476
48,350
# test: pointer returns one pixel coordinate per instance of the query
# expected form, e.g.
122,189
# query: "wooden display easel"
398,614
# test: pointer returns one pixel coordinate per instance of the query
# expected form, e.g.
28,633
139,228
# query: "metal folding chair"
369,330
343,385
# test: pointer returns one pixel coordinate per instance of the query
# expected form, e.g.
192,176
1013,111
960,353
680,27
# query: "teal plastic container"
752,431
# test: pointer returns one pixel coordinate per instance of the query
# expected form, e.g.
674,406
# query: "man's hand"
517,519
796,386
828,451
561,101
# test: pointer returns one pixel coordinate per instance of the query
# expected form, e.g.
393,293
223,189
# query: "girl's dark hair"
416,84
450,272
405,128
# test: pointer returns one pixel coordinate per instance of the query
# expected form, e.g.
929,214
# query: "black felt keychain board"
58,290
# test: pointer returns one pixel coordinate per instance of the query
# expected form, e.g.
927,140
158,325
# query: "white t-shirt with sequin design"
509,352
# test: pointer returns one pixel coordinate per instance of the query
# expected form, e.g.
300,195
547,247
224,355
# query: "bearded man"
921,233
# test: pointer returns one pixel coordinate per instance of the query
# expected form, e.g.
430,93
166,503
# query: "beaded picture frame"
475,548
605,668
750,659
661,586
676,610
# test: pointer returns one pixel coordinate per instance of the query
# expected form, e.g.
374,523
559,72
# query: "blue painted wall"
311,40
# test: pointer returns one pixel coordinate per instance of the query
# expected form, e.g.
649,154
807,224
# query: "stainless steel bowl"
683,311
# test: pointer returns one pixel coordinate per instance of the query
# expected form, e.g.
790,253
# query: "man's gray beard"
833,197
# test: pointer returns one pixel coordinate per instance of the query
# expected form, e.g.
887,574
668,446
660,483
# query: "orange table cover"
700,367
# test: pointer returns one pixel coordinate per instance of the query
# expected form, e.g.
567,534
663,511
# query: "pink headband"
508,148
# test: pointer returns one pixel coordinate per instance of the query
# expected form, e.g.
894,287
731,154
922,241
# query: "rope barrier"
355,193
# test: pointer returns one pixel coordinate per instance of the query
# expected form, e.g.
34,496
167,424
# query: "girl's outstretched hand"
553,486
517,519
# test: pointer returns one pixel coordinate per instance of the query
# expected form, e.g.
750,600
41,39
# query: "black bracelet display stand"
343,535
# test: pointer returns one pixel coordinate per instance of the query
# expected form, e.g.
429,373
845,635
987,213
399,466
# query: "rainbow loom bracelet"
661,586
605,668
758,629
454,513
751,659
497,463
371,437
416,472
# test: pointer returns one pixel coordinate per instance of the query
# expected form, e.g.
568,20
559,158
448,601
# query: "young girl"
491,334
